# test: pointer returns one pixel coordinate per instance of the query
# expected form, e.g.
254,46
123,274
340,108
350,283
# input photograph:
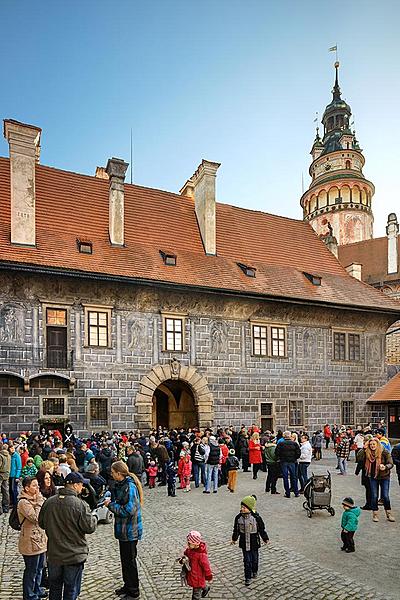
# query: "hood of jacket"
356,511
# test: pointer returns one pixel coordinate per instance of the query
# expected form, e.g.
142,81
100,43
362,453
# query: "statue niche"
219,337
12,325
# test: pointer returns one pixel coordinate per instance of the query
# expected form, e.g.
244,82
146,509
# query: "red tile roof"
373,256
71,206
389,391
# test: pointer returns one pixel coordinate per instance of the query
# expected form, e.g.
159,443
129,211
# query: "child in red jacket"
199,567
152,471
185,471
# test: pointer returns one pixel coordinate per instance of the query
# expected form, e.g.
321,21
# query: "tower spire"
336,89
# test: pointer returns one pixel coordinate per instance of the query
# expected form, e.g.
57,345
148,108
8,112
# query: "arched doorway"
174,405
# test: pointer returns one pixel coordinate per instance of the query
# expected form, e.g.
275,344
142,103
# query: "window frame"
269,326
352,350
89,414
270,416
296,425
95,308
343,421
43,415
174,317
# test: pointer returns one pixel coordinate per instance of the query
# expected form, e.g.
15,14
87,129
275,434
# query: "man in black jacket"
288,452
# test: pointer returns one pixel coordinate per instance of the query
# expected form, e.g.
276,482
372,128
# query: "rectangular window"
348,412
278,341
98,412
260,347
173,334
353,346
339,352
56,316
98,328
346,346
53,407
296,413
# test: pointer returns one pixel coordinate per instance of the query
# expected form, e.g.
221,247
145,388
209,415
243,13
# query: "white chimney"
392,229
24,142
355,270
202,186
116,169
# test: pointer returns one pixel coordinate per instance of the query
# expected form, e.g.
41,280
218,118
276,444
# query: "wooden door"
56,347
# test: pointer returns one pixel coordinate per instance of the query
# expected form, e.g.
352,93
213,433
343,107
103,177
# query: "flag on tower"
333,49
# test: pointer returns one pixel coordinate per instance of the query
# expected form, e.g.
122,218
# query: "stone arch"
70,381
203,397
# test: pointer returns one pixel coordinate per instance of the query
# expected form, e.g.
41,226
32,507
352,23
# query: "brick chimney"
201,186
116,169
355,270
392,229
24,143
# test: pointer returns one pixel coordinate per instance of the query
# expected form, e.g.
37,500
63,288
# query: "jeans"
256,468
250,562
5,494
303,475
289,470
199,468
68,577
211,475
171,487
342,465
272,477
32,576
348,539
13,491
384,485
128,553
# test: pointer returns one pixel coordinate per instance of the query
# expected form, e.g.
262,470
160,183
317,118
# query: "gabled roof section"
373,256
388,392
70,206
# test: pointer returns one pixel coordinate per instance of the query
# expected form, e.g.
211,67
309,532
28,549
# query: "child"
248,527
199,570
152,471
349,524
185,471
232,465
29,470
171,478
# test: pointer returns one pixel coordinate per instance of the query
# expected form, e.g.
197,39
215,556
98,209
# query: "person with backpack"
32,543
273,467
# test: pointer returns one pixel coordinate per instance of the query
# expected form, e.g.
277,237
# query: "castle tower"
339,194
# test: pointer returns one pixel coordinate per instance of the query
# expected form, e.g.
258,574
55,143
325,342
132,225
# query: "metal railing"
33,356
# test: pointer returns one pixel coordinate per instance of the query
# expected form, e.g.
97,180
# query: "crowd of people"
55,480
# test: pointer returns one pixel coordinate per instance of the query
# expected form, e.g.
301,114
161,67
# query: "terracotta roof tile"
372,255
389,391
71,206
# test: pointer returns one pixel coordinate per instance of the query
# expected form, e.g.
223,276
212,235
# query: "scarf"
373,459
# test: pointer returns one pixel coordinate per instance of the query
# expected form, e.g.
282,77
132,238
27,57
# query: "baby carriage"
318,494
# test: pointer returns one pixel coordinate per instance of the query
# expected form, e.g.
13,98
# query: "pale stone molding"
116,169
203,398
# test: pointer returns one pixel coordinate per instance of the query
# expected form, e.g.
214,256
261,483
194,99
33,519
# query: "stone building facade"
126,307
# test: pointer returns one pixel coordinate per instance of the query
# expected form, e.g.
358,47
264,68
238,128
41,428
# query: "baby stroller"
318,494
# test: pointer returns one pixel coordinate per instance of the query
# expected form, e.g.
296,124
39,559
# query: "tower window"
348,164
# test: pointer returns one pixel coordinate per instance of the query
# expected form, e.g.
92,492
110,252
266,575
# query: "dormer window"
85,247
247,270
314,279
169,259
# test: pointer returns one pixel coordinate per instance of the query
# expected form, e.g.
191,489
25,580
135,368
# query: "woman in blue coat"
15,474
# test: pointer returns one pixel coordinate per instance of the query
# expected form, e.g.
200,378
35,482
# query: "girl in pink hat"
198,571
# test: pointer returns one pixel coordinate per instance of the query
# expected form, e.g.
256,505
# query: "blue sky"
235,81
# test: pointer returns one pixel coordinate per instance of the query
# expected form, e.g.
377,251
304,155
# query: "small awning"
388,393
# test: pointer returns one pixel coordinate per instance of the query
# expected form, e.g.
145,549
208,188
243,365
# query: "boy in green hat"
249,527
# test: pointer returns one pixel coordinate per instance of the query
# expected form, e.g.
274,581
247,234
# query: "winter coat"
135,463
232,463
29,471
327,432
32,539
200,570
127,511
255,457
105,459
152,471
214,454
184,467
37,459
197,453
386,460
16,465
343,448
287,451
316,440
350,519
305,452
24,457
5,464
224,453
269,453
67,519
256,529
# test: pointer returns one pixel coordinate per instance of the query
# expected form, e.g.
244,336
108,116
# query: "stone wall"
237,381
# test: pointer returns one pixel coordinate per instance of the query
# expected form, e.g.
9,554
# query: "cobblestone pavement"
303,558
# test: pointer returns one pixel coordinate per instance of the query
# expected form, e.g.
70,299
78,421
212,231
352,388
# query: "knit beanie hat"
194,537
348,502
249,502
231,451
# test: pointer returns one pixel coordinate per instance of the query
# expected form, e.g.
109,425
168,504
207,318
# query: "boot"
375,516
390,517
